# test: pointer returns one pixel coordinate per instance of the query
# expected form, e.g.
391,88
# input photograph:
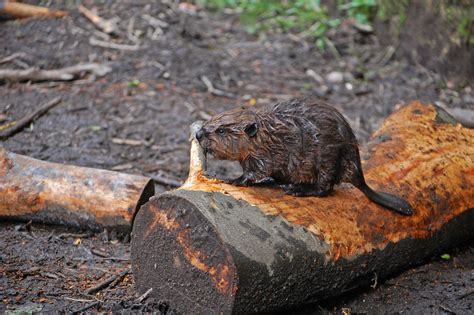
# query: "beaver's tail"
386,200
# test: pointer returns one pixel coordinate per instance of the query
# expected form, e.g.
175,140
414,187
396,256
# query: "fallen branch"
23,10
23,122
106,26
62,74
104,284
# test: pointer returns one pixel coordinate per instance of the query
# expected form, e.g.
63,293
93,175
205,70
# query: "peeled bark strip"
69,195
212,248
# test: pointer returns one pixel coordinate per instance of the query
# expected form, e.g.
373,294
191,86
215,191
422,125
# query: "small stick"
62,74
86,307
23,122
104,284
99,253
96,42
211,89
12,57
106,26
144,295
79,300
462,296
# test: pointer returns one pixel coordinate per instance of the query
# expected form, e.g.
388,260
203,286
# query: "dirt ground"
135,119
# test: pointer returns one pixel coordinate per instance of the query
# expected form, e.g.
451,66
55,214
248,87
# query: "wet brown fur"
307,147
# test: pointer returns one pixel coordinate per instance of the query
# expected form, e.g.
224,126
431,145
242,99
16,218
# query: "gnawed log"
69,195
211,248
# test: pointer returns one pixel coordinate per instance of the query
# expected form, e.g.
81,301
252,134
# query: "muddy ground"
135,119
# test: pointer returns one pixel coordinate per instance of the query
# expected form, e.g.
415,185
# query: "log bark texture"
213,248
69,195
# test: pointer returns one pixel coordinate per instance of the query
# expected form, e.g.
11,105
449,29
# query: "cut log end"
179,254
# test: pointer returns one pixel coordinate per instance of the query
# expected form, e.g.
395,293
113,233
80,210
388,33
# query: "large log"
211,248
69,195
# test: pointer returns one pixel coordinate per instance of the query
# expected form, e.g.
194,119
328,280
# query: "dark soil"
44,269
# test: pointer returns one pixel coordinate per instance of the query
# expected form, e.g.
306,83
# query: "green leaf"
133,83
446,257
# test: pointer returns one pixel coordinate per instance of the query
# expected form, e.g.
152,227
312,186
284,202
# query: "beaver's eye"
221,131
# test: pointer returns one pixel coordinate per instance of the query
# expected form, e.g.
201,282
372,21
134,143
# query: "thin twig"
12,57
466,294
374,279
211,89
86,307
106,26
104,284
78,300
446,309
96,42
23,122
144,296
116,281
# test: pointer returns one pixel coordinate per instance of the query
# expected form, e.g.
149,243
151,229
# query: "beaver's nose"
200,134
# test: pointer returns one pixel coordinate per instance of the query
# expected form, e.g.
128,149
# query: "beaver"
305,147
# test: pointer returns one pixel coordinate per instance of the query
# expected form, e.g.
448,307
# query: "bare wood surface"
227,249
80,197
17,126
23,10
63,74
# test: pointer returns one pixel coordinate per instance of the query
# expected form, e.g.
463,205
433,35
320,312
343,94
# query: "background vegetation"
311,18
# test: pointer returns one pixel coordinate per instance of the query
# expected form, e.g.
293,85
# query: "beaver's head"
228,136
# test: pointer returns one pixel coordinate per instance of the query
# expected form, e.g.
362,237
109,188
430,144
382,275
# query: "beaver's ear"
251,129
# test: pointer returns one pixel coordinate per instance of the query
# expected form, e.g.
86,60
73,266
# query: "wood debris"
62,74
17,126
106,26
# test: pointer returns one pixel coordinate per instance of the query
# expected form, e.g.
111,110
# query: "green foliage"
390,8
460,18
445,257
308,17
363,11
133,83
